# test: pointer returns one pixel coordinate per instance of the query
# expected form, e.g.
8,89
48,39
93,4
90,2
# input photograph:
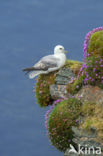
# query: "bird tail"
34,74
27,70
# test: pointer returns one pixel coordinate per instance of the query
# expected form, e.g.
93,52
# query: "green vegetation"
93,114
42,89
93,71
64,115
74,65
76,85
95,46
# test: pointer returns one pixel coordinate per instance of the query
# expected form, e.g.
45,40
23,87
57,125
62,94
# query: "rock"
84,133
59,91
84,137
91,94
64,76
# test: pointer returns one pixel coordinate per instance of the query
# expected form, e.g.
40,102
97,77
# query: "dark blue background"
29,29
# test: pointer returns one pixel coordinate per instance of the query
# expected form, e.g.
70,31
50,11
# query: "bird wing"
44,64
47,62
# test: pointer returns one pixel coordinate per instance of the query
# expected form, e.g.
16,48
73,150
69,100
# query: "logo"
85,150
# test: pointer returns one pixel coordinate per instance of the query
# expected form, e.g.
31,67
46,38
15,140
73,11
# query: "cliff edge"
74,95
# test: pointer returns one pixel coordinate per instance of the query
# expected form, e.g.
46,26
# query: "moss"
88,108
100,85
60,122
95,46
42,89
93,114
76,86
74,65
44,81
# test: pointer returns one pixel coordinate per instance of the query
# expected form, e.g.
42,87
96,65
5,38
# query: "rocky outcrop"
88,133
75,93
63,77
88,94
91,94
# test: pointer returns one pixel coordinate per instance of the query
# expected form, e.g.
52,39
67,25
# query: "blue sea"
29,29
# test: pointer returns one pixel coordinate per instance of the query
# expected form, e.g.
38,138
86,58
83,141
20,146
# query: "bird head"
59,49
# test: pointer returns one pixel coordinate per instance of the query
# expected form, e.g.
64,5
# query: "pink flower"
49,111
93,69
87,38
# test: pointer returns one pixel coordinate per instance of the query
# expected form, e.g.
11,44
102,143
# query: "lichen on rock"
74,65
92,114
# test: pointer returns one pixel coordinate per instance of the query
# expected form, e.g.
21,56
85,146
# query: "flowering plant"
87,40
93,70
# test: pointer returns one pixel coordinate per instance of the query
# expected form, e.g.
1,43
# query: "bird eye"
60,48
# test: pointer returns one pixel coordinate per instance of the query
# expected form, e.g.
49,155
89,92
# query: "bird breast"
62,58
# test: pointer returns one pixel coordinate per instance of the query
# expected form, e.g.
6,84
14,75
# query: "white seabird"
48,63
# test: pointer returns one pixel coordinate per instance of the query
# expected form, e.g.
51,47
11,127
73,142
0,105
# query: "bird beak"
65,52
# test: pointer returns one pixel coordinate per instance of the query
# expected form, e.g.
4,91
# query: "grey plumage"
44,64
